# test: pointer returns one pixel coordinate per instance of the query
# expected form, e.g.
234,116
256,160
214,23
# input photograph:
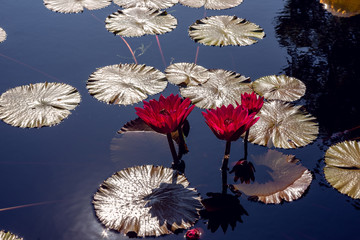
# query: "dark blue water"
62,166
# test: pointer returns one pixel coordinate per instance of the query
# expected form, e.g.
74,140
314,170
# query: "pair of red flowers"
227,123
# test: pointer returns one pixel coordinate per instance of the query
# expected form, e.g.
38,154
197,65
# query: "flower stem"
224,167
182,148
172,149
246,144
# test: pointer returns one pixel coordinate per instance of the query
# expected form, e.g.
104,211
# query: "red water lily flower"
229,123
165,115
252,102
193,234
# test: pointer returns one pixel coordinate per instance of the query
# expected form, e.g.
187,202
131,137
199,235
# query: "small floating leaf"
342,168
225,30
211,4
38,105
222,88
138,21
8,236
342,8
147,201
75,6
125,83
188,74
284,125
281,87
278,177
153,4
2,35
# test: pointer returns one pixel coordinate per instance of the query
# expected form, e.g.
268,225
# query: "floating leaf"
2,35
8,236
211,4
147,201
225,30
281,87
75,6
152,4
38,105
186,74
283,125
342,168
125,83
278,177
342,8
222,88
138,21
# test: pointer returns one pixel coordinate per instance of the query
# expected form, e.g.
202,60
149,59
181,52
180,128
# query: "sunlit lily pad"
125,83
342,168
139,21
75,6
280,87
147,201
38,105
187,74
2,35
225,30
278,178
211,4
222,88
8,236
342,8
153,4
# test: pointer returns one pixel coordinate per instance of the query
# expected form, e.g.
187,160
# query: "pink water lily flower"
252,102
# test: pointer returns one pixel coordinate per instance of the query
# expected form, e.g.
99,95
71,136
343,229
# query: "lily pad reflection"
153,4
211,4
75,6
278,177
8,236
2,35
147,201
225,30
38,105
342,168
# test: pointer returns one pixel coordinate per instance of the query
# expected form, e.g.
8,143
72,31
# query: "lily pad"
2,35
8,236
125,84
280,87
186,74
152,4
342,168
139,21
278,178
283,125
222,88
342,8
75,6
225,30
211,4
147,201
38,105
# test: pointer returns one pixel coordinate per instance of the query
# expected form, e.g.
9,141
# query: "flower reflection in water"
243,170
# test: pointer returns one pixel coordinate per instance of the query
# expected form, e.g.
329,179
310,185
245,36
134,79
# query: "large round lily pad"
125,84
75,6
147,201
284,126
153,4
225,30
186,74
278,178
211,4
280,87
342,8
222,88
139,21
8,236
342,168
38,105
2,35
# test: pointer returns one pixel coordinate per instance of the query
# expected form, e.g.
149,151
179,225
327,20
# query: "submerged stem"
246,144
172,149
224,167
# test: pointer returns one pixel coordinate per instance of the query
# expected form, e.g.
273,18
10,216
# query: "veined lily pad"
281,87
342,168
125,83
283,125
2,35
342,8
278,177
211,4
225,30
8,236
138,21
38,105
222,88
188,74
147,200
75,6
152,4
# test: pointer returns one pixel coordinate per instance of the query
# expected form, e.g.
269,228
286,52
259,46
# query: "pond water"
52,173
